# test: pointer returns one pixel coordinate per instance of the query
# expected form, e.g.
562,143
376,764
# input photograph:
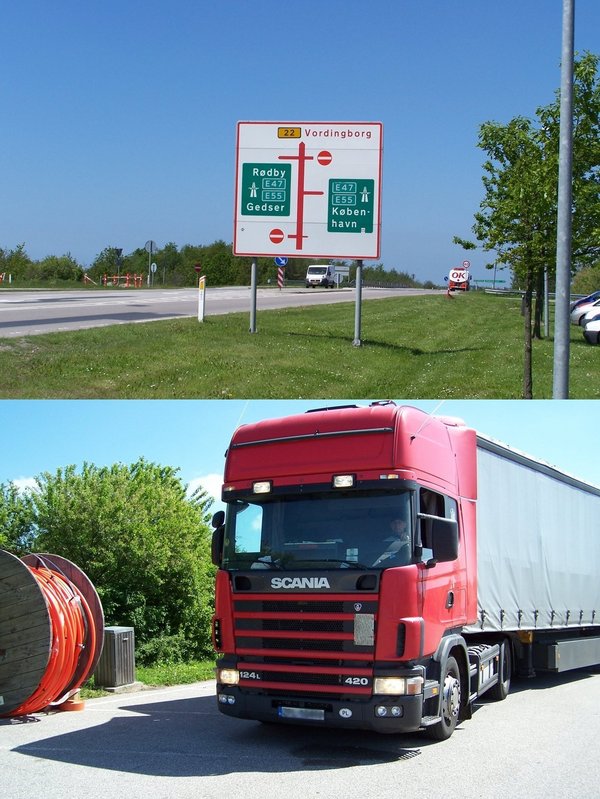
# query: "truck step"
427,721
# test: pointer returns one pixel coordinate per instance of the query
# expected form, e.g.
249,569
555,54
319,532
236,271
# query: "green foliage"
175,267
176,673
53,268
143,544
15,262
16,519
517,220
587,280
166,649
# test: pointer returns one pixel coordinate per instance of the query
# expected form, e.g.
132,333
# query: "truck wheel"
449,703
500,691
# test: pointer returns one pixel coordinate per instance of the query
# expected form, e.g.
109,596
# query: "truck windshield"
358,530
317,270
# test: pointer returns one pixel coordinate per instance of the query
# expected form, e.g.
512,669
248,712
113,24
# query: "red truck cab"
314,623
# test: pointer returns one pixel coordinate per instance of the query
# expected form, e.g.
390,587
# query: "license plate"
308,713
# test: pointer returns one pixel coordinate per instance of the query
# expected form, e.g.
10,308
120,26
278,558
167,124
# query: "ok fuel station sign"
308,189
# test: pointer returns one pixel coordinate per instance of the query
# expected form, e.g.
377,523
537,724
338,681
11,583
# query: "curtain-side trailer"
380,568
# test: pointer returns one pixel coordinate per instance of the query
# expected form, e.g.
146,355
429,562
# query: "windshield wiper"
267,561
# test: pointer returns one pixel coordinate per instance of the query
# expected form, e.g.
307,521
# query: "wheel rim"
451,698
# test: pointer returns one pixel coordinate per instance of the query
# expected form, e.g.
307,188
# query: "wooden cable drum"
51,631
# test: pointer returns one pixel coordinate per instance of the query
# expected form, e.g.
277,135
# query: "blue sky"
119,116
191,435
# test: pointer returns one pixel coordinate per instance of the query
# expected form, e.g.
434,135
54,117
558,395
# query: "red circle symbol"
324,157
276,235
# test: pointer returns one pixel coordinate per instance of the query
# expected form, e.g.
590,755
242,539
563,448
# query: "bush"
165,649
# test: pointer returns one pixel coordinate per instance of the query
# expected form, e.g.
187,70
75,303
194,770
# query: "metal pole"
564,221
546,304
253,296
357,307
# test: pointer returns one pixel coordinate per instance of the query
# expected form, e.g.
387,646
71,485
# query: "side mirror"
218,520
216,549
218,538
444,539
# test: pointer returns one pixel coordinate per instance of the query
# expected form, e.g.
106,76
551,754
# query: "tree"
105,263
517,220
143,544
15,519
15,262
587,280
63,268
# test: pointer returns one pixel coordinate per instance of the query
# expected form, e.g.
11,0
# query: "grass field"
161,674
469,346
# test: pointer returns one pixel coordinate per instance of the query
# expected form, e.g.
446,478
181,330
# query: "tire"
450,702
500,691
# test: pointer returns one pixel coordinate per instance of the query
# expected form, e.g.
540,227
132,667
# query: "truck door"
443,585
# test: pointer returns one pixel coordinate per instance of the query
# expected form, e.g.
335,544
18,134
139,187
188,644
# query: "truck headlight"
398,686
228,676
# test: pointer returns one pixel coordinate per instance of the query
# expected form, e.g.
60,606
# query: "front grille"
298,645
303,644
293,625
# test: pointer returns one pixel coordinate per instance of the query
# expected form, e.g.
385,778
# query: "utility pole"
560,389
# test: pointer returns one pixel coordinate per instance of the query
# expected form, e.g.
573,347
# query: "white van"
320,275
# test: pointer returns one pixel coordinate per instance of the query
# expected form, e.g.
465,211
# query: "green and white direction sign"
350,205
265,190
302,187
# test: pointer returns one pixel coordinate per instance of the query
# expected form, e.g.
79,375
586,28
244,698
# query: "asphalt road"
541,742
28,313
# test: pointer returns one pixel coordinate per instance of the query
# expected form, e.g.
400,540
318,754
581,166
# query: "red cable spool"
51,632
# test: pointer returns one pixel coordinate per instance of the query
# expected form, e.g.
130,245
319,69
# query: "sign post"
309,190
253,282
281,263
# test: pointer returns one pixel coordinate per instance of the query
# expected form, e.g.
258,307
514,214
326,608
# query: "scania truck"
381,568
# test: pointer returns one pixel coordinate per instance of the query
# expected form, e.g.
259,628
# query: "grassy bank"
162,674
469,346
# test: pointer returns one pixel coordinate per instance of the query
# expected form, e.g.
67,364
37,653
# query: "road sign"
266,189
281,260
309,190
350,206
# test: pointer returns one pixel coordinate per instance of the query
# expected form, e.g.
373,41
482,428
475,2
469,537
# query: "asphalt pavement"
29,313
172,742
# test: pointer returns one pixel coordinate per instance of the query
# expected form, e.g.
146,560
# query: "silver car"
592,332
578,313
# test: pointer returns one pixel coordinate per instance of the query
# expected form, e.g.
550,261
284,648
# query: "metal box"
116,666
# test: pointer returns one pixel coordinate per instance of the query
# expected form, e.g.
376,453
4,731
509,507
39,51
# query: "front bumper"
325,711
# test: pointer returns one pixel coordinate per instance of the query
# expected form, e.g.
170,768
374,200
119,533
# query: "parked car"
578,314
591,332
590,316
582,300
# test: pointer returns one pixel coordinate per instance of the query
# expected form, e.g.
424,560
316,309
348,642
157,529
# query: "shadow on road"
188,737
